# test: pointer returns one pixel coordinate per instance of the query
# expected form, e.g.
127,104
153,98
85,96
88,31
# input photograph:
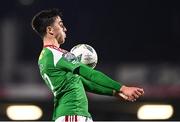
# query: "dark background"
135,30
125,34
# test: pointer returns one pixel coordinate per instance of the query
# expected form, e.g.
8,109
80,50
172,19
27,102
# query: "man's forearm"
99,78
96,88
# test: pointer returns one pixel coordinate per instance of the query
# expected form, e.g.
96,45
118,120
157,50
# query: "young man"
66,77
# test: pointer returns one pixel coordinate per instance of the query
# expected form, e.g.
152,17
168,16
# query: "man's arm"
96,88
100,78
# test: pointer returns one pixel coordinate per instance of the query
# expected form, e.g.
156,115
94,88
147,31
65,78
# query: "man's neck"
49,41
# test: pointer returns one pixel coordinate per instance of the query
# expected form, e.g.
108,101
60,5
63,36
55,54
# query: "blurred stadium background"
138,43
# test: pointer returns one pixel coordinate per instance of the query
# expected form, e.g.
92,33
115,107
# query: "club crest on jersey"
70,57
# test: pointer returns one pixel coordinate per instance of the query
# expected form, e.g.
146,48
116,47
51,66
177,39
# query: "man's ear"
49,30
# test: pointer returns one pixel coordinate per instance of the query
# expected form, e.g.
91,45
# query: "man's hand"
130,93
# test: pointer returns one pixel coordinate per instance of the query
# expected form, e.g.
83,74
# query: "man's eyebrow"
60,22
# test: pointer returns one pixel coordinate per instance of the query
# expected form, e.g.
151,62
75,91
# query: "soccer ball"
85,54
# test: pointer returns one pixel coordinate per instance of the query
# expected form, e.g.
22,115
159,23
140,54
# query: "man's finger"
138,93
135,95
140,90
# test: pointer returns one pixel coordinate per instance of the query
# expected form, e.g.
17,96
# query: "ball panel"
85,54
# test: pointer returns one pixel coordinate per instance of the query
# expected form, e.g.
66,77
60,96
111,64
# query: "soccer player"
67,78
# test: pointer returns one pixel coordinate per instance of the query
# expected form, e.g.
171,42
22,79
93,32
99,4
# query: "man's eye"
61,25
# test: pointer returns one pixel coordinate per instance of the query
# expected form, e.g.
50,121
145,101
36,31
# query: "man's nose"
64,28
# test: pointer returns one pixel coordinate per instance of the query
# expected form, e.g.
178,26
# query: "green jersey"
56,68
68,79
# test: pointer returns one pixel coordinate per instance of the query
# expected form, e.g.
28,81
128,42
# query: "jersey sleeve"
68,62
67,65
96,88
98,77
62,60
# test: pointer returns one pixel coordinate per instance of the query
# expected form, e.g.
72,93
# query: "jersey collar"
54,47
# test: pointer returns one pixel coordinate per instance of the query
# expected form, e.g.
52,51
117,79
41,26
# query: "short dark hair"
43,19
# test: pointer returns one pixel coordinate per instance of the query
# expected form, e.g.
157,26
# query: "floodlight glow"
24,112
158,112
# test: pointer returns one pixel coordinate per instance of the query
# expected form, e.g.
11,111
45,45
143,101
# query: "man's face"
59,30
